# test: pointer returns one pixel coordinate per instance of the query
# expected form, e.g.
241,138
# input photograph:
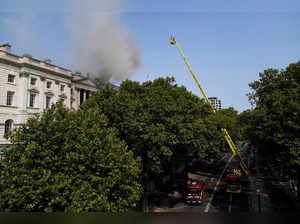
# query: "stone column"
77,98
24,90
84,95
41,95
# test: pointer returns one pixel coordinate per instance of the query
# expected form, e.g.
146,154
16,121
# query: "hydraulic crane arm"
231,144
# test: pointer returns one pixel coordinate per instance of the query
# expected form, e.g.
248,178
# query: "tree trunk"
146,185
298,184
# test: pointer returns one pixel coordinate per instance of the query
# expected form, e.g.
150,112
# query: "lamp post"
258,200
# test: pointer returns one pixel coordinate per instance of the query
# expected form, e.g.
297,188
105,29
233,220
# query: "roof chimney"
5,47
27,55
48,60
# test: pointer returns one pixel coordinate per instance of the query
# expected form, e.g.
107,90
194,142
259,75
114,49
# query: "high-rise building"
29,86
215,103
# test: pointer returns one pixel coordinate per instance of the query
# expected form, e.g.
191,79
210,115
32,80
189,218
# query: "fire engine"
194,192
233,184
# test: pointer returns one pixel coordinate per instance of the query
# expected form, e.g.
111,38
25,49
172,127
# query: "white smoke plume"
101,43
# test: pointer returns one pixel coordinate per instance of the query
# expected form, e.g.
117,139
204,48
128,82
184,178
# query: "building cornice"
32,63
84,86
79,80
7,106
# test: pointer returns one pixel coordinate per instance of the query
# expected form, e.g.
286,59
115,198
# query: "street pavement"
272,197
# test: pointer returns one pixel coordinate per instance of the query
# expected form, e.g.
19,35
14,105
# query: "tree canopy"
68,161
160,121
229,118
274,122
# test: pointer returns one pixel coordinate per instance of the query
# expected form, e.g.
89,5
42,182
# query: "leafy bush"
68,161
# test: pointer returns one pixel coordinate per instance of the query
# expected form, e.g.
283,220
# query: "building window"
7,126
10,97
11,78
62,88
48,101
33,81
49,85
32,100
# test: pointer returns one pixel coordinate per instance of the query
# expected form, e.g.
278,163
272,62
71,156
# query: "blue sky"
226,42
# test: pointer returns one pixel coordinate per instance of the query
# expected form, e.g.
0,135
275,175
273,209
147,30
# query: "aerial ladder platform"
231,144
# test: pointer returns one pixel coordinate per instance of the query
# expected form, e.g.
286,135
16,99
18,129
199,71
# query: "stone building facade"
29,86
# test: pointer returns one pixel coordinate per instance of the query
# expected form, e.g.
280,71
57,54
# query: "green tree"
68,161
229,119
273,124
276,96
160,122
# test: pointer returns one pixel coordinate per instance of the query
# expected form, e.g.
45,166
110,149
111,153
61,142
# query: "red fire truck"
194,192
233,184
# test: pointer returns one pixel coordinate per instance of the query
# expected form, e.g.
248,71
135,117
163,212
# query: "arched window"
7,126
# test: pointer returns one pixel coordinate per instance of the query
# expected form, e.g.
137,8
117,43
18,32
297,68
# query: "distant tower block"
215,103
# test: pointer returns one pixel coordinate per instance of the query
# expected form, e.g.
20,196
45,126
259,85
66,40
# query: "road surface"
272,196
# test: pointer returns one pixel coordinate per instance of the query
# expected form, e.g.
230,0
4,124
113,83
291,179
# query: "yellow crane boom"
231,144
